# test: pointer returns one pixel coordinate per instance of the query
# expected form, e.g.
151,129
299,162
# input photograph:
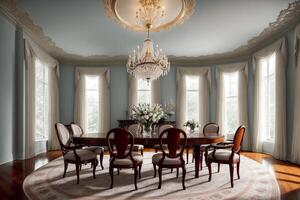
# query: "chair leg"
183,176
177,174
140,169
101,160
118,171
95,163
160,176
80,167
209,170
171,170
201,159
238,169
135,177
231,174
154,168
111,172
66,167
142,152
77,172
219,167
193,155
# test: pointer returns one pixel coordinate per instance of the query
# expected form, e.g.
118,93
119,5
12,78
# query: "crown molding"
286,21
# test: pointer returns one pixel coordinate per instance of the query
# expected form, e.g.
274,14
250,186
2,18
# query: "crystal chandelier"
148,63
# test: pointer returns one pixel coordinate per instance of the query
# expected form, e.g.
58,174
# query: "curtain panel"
32,52
104,100
204,94
132,92
242,70
295,156
280,49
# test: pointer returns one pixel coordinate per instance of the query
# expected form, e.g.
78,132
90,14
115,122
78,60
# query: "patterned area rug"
47,183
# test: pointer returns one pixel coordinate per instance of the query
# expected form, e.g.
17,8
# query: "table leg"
187,155
197,160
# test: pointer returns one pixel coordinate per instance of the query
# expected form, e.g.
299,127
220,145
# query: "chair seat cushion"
138,147
127,161
96,149
223,155
167,161
84,155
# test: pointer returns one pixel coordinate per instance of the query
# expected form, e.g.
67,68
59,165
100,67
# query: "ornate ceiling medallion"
131,14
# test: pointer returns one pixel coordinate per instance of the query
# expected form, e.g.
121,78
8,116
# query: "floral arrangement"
147,115
192,124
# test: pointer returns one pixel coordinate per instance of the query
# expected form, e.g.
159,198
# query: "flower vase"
192,131
147,131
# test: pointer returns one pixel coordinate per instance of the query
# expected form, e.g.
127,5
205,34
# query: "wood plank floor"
12,174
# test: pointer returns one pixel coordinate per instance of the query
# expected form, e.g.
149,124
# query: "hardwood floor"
13,173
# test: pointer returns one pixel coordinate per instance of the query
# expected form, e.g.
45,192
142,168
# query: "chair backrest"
238,138
121,139
76,130
175,139
163,127
63,135
136,130
211,129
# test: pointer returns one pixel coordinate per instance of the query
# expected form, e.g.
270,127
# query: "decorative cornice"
287,20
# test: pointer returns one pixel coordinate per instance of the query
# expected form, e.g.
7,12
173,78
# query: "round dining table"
193,141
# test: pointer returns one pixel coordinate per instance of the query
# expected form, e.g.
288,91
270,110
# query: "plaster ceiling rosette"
124,13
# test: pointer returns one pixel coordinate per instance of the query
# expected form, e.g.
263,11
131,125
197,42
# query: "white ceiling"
217,26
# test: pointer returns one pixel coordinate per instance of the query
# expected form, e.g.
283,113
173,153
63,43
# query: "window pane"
41,101
231,114
144,85
192,98
268,97
92,103
144,91
192,83
144,97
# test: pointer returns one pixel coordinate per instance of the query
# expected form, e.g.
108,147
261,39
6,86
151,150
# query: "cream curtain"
204,94
295,156
32,52
132,92
279,48
104,94
242,70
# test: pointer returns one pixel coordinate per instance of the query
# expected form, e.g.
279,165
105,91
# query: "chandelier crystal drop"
148,63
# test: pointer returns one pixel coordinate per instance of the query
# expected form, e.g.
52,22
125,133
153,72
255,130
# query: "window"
92,104
143,91
231,114
41,101
192,98
268,97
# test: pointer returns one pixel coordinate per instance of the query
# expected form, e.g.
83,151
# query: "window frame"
138,91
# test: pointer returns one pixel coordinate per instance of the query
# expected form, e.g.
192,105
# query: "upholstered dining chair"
224,153
74,154
160,129
121,156
172,157
137,131
210,129
78,132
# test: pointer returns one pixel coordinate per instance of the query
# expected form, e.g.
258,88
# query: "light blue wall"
7,86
